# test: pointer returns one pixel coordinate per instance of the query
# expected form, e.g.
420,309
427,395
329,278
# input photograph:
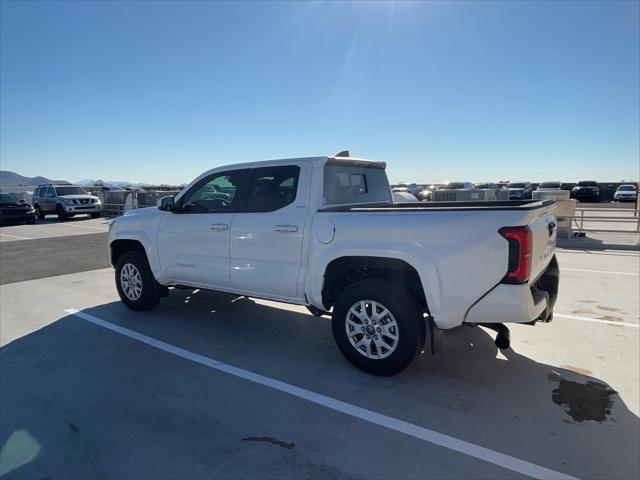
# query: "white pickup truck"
323,232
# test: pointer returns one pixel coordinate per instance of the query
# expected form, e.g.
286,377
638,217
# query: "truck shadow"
73,380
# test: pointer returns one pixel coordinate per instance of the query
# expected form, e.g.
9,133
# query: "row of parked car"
584,191
65,201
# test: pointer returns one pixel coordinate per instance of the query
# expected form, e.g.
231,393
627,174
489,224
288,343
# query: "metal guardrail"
580,218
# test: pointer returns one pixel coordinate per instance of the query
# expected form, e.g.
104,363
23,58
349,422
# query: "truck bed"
489,205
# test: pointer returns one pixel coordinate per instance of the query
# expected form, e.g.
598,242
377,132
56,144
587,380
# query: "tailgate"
544,230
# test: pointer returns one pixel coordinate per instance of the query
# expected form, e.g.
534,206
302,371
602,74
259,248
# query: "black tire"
95,215
62,215
411,327
39,213
150,292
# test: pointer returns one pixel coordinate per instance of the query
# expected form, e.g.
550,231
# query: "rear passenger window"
271,188
36,192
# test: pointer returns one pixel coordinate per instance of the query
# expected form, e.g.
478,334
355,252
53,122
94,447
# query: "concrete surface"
94,403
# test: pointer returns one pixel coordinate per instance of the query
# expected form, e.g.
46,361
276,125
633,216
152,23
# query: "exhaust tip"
503,341
503,337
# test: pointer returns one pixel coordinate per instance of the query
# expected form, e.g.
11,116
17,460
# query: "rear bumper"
519,303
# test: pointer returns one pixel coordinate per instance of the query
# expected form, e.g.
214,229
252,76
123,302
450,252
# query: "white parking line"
83,226
440,439
16,236
595,320
599,271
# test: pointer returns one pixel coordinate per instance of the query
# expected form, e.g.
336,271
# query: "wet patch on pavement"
583,401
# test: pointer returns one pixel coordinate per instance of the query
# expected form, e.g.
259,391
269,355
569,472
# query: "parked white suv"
323,232
626,193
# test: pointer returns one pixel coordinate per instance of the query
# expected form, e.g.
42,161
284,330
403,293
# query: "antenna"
344,153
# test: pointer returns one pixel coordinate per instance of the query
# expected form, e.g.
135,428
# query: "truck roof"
321,161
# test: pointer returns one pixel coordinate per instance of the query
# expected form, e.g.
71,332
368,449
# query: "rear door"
49,200
266,239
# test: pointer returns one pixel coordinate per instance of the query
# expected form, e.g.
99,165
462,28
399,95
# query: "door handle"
286,228
219,226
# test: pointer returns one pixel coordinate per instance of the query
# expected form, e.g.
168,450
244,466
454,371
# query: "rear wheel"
378,328
136,285
62,215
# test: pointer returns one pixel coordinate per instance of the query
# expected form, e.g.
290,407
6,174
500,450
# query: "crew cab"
323,232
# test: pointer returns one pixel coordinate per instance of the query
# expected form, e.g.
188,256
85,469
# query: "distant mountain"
10,179
85,182
110,183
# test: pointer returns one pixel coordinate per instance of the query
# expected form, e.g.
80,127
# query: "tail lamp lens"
520,251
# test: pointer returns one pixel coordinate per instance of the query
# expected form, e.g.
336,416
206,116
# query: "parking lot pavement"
55,255
52,227
88,401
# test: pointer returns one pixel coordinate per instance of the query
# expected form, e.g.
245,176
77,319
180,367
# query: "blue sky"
159,92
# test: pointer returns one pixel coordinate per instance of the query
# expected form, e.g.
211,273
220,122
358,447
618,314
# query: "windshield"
516,185
587,184
348,183
550,185
484,185
452,186
7,198
627,188
70,191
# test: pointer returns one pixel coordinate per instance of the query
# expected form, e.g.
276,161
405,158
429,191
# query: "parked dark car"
13,210
520,190
586,191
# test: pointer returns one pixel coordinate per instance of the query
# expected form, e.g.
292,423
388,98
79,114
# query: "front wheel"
136,285
95,215
62,215
378,328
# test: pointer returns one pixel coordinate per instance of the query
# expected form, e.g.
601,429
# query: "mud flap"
433,341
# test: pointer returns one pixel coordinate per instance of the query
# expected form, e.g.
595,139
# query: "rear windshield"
550,185
516,185
627,188
452,186
355,184
70,191
587,184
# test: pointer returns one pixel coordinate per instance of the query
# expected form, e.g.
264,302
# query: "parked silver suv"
65,201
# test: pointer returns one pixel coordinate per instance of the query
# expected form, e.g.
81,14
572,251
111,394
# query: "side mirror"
166,204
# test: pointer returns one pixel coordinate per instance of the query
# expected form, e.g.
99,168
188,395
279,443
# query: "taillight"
520,241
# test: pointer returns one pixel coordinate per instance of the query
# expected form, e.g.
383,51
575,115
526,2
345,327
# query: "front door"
266,238
193,240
